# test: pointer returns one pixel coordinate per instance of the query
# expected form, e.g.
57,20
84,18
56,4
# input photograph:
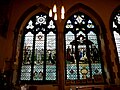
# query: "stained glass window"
82,49
39,50
116,31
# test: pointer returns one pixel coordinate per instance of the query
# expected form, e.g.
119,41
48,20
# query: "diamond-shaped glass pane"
39,49
96,69
71,72
38,72
51,72
25,72
82,51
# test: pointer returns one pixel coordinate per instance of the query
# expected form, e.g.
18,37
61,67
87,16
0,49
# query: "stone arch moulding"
19,31
23,20
102,34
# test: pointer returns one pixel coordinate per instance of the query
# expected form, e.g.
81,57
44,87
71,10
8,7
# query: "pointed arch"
101,36
21,22
34,34
115,30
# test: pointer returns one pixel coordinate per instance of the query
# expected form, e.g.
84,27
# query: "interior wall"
17,8
21,6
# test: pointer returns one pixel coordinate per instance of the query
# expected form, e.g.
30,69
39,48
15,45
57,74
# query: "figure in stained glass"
51,58
39,37
94,54
79,41
80,54
68,53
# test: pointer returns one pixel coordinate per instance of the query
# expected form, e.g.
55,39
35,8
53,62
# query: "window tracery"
82,57
39,50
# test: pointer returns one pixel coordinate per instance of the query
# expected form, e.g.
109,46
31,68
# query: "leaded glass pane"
25,72
69,38
81,46
114,26
94,50
39,49
96,69
38,72
70,48
116,31
38,57
116,21
70,56
41,19
69,24
82,51
84,71
78,19
51,25
71,72
94,55
51,57
117,41
90,24
93,38
81,35
51,72
27,49
30,25
27,54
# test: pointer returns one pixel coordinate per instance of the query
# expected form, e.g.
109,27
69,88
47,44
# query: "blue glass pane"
39,49
96,69
82,50
71,72
51,72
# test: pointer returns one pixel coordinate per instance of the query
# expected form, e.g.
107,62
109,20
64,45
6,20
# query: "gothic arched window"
39,50
116,30
83,59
